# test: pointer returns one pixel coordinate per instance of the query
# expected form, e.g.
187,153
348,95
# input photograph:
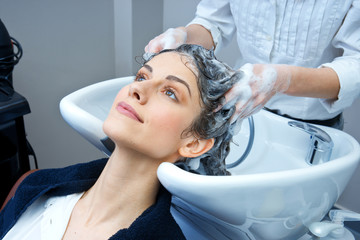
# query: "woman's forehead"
173,62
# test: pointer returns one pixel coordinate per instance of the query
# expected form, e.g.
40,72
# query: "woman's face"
149,115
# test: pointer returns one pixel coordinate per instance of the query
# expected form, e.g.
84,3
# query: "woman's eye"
140,78
170,94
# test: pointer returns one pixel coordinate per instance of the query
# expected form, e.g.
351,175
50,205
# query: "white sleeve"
215,16
347,66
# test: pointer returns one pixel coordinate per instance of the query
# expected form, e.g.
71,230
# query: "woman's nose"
139,92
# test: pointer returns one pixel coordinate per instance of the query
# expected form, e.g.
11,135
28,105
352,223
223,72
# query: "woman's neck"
127,186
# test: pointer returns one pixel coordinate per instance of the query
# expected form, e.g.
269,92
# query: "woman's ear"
196,147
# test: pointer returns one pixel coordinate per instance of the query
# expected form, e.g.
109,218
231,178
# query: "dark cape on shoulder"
154,223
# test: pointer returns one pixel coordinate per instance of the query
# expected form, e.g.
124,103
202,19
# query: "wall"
350,197
147,22
136,23
187,8
67,45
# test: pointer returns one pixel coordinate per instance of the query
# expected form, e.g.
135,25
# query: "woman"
166,115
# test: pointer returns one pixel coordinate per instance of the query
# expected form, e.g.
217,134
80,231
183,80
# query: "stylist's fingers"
154,45
239,94
242,111
250,110
252,104
234,96
242,108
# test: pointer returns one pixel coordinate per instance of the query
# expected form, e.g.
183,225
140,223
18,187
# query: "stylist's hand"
171,38
259,84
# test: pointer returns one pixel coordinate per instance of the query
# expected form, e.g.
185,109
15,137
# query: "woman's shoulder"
55,182
77,172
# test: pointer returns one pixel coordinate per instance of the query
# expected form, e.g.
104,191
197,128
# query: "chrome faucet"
320,146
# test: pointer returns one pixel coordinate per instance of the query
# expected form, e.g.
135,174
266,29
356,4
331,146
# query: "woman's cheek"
171,121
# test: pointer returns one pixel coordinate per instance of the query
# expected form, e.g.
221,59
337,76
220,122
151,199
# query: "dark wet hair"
214,79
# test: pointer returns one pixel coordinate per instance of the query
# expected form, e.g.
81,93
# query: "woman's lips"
127,110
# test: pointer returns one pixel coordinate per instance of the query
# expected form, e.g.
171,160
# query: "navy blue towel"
154,223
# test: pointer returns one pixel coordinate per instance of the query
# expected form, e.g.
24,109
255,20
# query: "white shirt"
307,33
45,219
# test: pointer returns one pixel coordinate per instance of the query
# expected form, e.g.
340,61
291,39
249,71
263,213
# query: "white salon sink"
273,194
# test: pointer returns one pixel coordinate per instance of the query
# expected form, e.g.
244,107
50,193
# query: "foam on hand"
173,38
259,84
168,40
241,94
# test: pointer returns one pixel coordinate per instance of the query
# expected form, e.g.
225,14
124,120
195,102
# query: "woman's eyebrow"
148,68
174,78
170,77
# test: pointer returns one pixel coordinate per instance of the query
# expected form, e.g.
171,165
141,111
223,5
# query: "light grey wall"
67,44
351,195
147,22
180,13
136,23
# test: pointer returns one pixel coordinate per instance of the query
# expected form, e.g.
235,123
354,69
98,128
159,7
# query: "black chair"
14,147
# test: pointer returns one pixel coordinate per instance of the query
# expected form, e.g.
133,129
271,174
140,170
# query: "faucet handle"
312,130
321,143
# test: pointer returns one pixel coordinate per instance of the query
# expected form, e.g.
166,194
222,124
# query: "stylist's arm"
263,81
